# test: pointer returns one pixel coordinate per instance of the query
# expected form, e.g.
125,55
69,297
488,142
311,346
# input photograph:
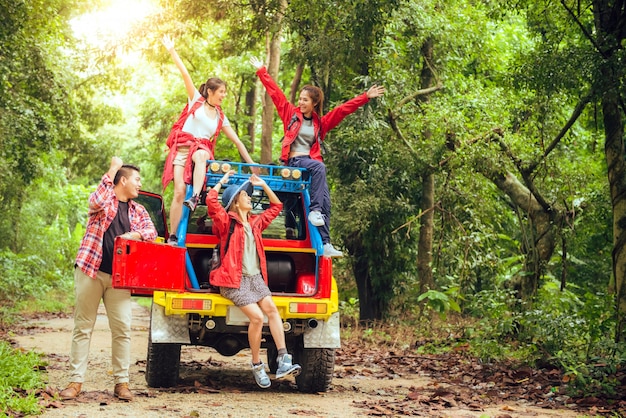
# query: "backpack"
215,258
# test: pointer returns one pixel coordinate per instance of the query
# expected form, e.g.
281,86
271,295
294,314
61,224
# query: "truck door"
144,267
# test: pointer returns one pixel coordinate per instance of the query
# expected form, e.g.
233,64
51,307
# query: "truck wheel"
162,364
318,365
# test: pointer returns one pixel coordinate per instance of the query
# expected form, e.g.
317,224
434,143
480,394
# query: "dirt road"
216,386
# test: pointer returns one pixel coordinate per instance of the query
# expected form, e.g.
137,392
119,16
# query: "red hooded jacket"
229,272
286,111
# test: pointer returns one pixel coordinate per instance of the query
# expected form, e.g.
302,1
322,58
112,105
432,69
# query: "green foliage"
21,277
497,319
369,218
440,302
349,311
560,328
19,378
47,233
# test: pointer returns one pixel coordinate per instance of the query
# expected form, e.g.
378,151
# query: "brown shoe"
71,391
122,392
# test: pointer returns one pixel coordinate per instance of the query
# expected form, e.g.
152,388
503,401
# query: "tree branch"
573,118
421,92
584,30
396,129
528,182
392,116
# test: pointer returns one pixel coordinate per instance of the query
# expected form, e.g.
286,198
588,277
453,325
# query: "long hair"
212,84
317,95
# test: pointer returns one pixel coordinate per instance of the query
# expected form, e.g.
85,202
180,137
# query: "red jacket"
178,138
287,110
229,272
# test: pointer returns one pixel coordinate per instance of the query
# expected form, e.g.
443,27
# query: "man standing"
111,213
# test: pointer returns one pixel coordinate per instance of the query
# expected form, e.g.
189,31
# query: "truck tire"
162,364
318,366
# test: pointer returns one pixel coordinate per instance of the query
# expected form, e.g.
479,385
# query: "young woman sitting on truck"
305,129
192,139
242,274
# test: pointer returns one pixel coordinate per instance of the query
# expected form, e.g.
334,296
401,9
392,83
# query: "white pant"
88,293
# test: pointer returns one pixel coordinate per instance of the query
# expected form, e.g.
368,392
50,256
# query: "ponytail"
212,84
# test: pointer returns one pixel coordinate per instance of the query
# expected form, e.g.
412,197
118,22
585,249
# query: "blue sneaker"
261,377
286,368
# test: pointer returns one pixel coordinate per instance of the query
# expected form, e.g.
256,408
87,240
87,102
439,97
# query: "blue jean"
319,193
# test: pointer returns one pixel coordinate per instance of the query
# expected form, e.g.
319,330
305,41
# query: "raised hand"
256,63
226,176
256,180
116,163
167,42
375,91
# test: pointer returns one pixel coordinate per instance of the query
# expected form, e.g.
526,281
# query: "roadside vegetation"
20,378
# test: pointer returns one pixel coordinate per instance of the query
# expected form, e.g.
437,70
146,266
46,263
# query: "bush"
19,380
20,277
559,329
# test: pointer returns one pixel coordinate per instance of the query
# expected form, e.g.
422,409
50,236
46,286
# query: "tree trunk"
251,96
294,89
614,152
267,118
610,25
368,304
541,242
425,241
273,63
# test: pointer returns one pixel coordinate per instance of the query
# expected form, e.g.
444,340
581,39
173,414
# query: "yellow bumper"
214,305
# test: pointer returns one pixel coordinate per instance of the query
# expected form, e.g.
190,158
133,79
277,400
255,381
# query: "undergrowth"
19,380
559,329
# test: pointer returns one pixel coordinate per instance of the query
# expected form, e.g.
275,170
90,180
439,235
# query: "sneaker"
286,368
316,218
192,202
330,251
172,240
260,375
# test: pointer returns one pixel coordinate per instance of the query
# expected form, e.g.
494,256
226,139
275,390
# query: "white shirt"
200,125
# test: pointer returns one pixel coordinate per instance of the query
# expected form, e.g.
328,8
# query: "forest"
482,197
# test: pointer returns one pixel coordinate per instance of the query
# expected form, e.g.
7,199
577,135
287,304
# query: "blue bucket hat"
231,191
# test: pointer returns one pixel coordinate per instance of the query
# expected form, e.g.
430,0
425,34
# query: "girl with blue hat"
242,274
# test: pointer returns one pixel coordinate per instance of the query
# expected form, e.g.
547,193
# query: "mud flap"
325,335
168,329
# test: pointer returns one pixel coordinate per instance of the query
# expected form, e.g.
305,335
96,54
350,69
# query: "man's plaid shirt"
102,210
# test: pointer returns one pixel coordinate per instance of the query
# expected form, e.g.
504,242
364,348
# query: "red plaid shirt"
102,210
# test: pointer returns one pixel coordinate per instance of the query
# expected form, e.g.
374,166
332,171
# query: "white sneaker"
260,376
330,251
286,367
316,218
